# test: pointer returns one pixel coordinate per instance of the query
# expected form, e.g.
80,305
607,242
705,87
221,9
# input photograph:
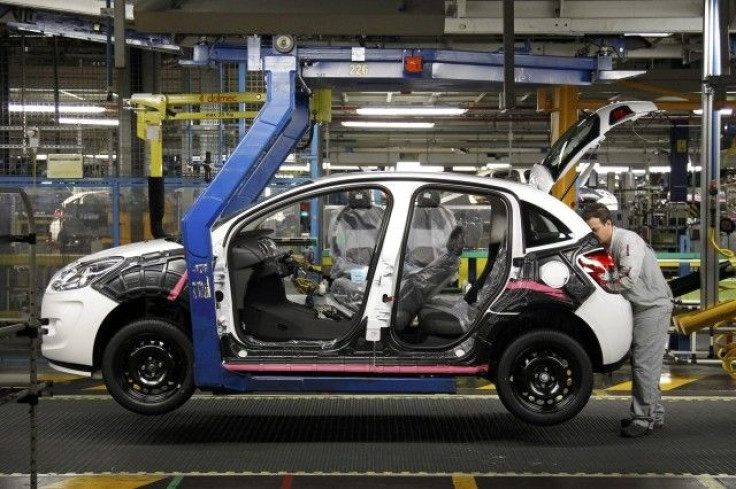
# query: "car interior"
279,295
433,308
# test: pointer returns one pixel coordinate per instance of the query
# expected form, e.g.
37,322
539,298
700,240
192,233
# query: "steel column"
710,155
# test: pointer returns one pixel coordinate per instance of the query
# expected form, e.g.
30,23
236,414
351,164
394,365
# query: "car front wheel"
147,367
544,377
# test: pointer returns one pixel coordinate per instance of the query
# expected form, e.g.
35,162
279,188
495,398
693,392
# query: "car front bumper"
74,318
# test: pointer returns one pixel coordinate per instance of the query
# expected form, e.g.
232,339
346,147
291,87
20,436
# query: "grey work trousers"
647,354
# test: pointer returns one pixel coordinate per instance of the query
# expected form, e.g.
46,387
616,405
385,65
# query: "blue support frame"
279,126
340,66
315,214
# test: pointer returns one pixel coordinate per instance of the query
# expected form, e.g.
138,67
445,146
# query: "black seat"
431,226
432,257
353,234
439,319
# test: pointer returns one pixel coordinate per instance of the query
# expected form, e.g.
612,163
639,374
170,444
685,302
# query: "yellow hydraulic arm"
152,110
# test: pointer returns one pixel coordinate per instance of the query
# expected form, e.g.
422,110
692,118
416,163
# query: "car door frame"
223,245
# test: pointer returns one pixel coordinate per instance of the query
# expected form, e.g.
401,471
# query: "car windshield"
570,144
275,187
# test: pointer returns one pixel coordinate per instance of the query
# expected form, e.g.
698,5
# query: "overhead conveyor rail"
417,67
29,327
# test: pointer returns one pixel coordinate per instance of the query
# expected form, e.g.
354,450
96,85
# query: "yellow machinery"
718,316
153,110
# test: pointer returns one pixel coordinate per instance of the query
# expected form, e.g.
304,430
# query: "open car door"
588,133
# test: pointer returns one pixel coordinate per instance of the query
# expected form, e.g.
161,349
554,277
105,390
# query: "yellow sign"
64,166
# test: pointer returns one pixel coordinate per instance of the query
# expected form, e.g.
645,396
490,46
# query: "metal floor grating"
352,434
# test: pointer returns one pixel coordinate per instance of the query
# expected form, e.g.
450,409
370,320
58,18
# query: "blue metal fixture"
278,127
361,66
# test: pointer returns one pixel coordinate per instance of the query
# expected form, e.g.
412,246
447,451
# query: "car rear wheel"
147,367
544,377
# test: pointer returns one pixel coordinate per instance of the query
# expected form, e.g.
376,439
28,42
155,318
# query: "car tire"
544,377
147,367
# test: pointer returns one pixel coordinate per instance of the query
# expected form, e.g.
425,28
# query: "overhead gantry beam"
431,69
579,17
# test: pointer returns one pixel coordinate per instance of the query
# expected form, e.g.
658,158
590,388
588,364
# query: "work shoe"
658,423
633,430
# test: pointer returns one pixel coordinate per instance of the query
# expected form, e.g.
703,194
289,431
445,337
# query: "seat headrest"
428,198
456,241
499,225
359,199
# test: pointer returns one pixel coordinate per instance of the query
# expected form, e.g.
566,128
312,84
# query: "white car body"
74,316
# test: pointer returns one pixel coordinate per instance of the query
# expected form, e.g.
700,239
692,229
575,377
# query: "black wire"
308,142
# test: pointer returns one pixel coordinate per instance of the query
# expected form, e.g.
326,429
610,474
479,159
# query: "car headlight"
82,274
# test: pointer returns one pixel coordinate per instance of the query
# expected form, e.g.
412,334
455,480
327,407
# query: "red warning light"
413,64
618,114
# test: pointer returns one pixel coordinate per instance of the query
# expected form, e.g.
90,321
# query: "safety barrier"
31,328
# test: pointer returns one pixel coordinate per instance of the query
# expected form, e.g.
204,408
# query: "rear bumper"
609,316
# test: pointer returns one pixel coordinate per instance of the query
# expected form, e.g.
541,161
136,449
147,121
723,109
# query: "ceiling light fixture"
497,166
388,125
611,169
50,109
722,111
88,122
428,111
647,34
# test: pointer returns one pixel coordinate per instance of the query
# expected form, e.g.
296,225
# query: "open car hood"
586,134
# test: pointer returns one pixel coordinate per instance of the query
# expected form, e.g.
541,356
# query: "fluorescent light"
722,111
88,122
648,34
389,125
610,169
50,109
408,166
342,167
417,166
294,168
659,169
465,168
498,166
410,111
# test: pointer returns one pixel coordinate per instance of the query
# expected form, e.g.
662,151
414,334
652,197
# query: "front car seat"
353,234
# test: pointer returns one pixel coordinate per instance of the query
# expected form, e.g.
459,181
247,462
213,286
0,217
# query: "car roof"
522,191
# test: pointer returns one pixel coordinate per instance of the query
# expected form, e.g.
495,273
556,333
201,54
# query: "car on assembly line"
430,276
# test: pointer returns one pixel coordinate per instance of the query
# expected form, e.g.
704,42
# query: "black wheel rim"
152,368
545,378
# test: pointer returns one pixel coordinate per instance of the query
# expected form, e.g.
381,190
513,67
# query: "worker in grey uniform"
639,279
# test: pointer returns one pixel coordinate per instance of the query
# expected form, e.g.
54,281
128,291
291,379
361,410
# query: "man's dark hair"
597,210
